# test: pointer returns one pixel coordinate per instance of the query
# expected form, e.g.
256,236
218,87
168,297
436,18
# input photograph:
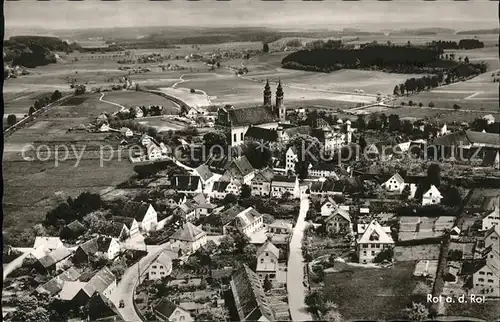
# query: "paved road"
15,264
295,274
126,287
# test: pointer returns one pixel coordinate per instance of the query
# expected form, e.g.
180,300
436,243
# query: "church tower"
267,94
279,103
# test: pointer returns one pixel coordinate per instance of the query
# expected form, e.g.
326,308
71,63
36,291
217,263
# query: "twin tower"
280,107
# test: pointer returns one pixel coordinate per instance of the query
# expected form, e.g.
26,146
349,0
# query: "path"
180,81
126,287
15,264
295,274
122,108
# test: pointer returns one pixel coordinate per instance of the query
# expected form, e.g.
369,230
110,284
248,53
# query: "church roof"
251,115
259,133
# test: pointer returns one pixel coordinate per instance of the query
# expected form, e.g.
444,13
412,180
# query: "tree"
11,119
362,143
456,107
240,241
55,96
434,175
431,104
405,194
259,155
229,199
245,191
227,244
265,47
420,104
215,139
385,254
360,123
31,110
466,60
396,91
418,312
80,89
406,127
402,89
394,123
302,169
268,285
479,124
31,309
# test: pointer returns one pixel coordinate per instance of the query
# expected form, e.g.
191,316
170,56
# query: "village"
260,226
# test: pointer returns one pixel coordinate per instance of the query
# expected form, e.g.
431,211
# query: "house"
126,132
289,133
490,220
431,196
373,240
53,261
153,152
168,311
48,243
55,285
206,176
492,159
192,113
186,184
250,300
72,230
490,119
240,169
327,188
324,170
280,226
492,238
328,207
160,267
175,200
282,184
102,246
291,158
130,223
267,262
486,276
146,217
396,183
104,127
114,229
465,144
103,283
262,136
248,221
189,238
236,121
220,189
187,211
261,183
339,222
216,224
145,140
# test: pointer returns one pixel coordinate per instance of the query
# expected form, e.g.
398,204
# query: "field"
417,252
372,293
132,98
489,311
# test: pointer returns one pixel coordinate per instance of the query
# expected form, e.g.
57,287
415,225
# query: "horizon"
58,16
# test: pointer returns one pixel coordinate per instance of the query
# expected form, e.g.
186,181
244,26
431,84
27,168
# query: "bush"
431,104
420,104
192,91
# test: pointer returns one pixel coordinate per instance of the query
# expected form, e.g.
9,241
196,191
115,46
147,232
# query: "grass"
489,311
133,98
372,293
417,252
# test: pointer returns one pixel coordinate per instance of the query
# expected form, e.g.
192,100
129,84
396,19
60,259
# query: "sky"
330,14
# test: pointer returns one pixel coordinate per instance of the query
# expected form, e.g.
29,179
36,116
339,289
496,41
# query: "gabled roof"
55,285
224,217
293,131
268,247
249,297
242,165
48,242
97,244
280,178
204,172
374,228
111,228
264,175
220,186
199,198
70,289
491,140
323,166
281,223
128,221
54,256
76,227
246,217
185,183
435,192
340,212
164,258
188,232
251,115
397,177
259,133
99,282
165,308
141,211
326,186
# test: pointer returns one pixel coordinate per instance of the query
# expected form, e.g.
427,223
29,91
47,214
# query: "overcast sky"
332,14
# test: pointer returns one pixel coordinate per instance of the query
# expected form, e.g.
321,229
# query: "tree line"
462,44
39,103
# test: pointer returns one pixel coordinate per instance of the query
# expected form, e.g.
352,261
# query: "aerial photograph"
251,160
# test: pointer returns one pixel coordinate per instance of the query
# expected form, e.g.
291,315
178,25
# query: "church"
236,121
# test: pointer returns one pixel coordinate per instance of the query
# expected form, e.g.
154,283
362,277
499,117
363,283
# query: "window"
154,266
267,254
262,260
161,266
234,137
182,318
489,274
272,275
241,136
481,280
490,281
364,252
481,273
153,273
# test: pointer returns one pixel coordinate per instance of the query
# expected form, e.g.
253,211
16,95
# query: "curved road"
295,274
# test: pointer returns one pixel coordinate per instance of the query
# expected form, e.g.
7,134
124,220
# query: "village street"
295,274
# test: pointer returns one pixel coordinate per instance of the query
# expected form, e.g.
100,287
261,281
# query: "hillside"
479,32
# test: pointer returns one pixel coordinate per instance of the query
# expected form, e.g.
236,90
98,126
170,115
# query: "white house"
153,152
189,238
491,220
291,158
220,189
324,170
261,183
328,208
131,224
145,140
104,127
373,240
160,267
126,132
486,278
396,183
248,221
282,184
147,218
339,222
267,261
48,243
431,196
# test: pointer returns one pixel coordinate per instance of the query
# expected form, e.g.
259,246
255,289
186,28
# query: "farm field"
161,123
371,293
133,98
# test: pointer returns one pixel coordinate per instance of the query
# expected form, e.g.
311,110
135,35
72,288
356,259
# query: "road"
15,264
295,274
126,287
